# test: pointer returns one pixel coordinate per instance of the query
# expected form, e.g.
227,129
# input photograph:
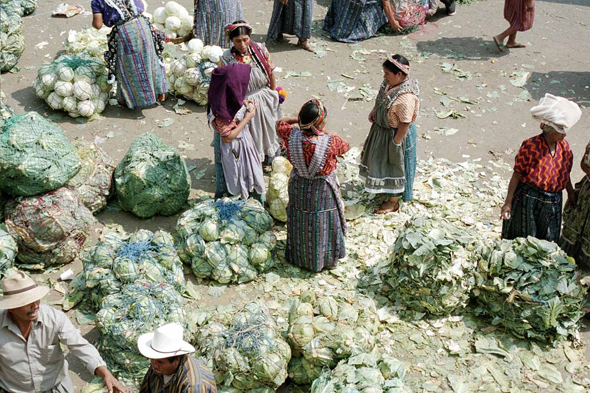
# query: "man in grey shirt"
31,359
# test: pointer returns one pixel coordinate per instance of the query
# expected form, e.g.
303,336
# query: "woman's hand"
372,116
506,211
250,109
395,26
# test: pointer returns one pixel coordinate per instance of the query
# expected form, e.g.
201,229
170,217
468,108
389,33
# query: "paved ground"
496,117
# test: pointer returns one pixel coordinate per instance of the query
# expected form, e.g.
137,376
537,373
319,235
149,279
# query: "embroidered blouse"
110,16
538,167
338,146
247,58
403,110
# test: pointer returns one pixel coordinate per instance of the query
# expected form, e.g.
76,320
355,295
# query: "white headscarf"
557,112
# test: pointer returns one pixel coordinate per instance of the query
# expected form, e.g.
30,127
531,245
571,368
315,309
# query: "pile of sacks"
327,328
190,75
77,84
245,351
12,38
225,240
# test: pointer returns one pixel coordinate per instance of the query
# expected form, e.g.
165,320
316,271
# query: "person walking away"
211,16
520,14
31,335
261,89
134,57
541,172
172,368
230,117
575,239
292,17
388,160
316,228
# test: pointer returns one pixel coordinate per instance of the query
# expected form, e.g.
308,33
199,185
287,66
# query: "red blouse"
338,146
539,168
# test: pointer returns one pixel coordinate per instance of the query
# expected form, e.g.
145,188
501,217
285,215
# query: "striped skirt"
516,13
315,235
354,20
294,18
210,18
140,76
535,213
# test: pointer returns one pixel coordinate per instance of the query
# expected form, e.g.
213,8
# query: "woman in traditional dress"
230,115
316,227
292,17
211,16
134,57
541,172
261,88
520,14
575,239
405,16
388,160
354,21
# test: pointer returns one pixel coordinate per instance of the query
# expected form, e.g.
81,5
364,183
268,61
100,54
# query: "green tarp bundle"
225,240
152,178
432,266
35,156
12,38
530,287
49,229
247,352
94,181
138,308
21,7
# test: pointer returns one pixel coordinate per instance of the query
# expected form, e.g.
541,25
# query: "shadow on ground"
462,48
573,85
568,2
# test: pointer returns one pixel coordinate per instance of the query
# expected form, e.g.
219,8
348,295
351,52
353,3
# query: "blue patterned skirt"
354,20
210,18
293,18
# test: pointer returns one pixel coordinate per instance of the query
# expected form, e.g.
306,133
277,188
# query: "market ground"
480,87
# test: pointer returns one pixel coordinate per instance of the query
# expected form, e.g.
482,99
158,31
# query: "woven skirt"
535,213
315,236
575,239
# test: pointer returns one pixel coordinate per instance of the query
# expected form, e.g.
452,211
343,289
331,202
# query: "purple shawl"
227,90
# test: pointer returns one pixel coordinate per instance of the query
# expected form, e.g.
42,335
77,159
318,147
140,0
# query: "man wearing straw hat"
172,369
31,359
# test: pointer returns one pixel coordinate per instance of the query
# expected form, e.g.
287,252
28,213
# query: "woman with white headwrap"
541,172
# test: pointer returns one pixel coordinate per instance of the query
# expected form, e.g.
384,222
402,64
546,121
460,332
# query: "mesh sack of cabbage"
277,197
120,258
324,329
77,84
138,308
6,111
21,7
12,38
173,19
49,229
8,250
226,240
367,373
247,353
91,41
94,181
152,178
530,287
432,266
35,156
190,75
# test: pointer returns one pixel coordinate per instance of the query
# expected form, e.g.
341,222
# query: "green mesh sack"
138,308
226,240
94,181
49,229
12,38
21,7
6,111
35,156
247,352
152,178
119,258
8,250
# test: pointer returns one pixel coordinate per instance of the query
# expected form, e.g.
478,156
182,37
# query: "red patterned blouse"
338,146
539,168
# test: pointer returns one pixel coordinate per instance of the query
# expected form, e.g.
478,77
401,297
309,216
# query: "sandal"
381,210
516,46
305,45
498,44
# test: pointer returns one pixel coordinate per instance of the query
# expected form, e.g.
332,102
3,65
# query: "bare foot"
305,45
387,207
515,45
162,97
498,44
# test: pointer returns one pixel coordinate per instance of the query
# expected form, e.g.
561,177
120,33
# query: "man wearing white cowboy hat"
172,369
31,359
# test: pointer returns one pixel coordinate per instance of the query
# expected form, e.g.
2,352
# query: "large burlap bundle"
94,182
152,178
49,229
12,38
35,156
